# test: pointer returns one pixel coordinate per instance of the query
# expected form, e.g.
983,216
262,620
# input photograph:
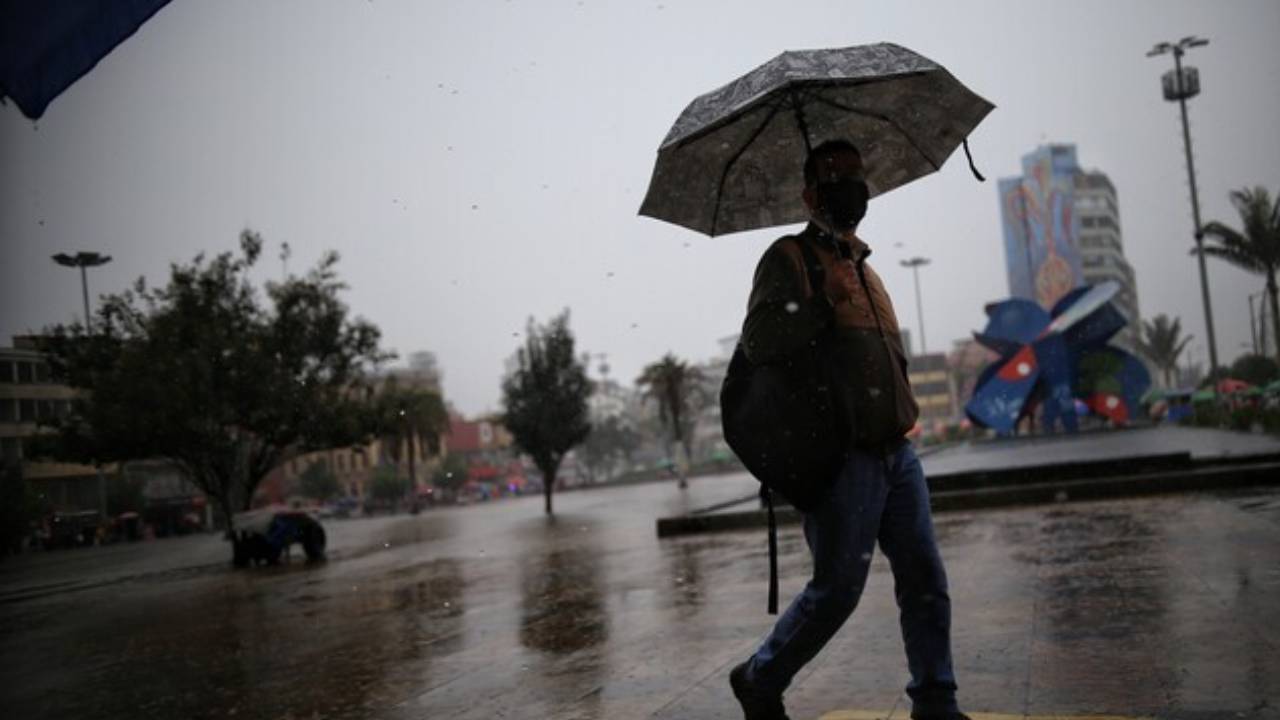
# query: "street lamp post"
1180,85
915,263
83,260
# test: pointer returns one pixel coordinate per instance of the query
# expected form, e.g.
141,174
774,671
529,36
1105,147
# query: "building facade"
27,397
1061,227
933,389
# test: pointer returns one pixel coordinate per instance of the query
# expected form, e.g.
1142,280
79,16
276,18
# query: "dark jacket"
784,314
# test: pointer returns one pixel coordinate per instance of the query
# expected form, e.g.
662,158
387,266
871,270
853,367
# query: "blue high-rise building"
1061,229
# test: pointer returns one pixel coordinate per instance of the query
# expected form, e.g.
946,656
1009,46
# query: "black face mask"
843,203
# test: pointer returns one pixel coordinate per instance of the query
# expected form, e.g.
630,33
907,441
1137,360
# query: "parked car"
260,537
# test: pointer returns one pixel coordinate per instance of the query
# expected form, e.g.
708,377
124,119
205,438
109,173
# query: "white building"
1102,249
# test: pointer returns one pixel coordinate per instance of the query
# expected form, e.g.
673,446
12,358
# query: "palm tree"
675,386
1161,341
410,418
1256,248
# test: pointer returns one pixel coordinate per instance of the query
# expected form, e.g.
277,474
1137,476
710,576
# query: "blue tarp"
46,45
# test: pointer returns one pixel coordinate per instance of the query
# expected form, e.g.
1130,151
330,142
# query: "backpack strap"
766,496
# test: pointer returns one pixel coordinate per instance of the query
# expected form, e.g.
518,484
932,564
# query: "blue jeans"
875,497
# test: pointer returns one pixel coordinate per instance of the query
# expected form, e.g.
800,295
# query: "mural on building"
1058,361
1040,229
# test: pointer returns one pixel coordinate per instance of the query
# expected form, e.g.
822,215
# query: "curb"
1209,475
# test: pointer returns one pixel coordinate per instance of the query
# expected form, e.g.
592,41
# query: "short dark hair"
826,149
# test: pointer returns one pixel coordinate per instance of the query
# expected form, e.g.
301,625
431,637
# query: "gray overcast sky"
479,162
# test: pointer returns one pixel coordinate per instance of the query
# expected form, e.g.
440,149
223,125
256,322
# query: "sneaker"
953,715
755,705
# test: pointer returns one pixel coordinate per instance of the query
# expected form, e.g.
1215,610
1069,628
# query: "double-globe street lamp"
83,260
1180,85
915,263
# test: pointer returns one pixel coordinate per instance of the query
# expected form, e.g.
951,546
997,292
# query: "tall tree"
410,418
203,373
545,397
1256,247
676,386
1162,342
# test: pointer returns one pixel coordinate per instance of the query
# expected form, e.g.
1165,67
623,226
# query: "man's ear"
810,198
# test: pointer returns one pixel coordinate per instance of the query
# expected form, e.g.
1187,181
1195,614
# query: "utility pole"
915,263
1180,85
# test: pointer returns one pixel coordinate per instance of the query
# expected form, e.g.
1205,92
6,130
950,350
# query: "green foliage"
1162,342
19,506
318,482
677,388
1255,369
203,373
451,474
545,398
1256,247
387,485
409,415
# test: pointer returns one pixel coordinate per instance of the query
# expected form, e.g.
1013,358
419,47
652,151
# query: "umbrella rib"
715,217
882,118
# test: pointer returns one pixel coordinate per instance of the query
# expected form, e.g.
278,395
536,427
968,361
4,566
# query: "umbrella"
47,46
733,160
1232,385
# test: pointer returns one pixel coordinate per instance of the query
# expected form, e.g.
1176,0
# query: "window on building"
25,372
26,411
6,371
11,449
8,410
930,388
42,372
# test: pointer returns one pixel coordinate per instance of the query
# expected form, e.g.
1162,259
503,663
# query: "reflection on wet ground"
1164,606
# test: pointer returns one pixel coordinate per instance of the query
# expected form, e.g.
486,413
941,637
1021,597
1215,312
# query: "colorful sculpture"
1055,359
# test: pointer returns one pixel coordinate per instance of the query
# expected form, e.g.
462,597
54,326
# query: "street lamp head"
81,259
1191,41
1159,49
914,262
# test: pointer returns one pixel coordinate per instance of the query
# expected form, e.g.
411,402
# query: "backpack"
786,424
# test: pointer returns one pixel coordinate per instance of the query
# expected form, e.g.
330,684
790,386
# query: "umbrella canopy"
734,159
47,46
1232,385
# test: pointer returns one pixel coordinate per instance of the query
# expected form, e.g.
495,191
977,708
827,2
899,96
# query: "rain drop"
793,307
1060,496
386,544
475,207
608,274
866,557
446,603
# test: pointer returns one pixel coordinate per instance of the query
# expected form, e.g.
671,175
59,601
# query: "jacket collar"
859,250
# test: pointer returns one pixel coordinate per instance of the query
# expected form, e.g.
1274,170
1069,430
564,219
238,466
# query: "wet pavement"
1165,607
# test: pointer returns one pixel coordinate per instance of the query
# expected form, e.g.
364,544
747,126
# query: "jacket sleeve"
780,319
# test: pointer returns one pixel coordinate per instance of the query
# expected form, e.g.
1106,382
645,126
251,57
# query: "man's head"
835,188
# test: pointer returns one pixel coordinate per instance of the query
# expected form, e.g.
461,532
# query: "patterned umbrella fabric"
733,161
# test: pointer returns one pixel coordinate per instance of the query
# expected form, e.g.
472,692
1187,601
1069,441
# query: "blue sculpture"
1055,360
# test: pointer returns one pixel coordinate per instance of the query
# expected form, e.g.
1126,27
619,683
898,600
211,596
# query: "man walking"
879,494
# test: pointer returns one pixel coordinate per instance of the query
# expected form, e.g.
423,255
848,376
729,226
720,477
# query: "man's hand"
841,284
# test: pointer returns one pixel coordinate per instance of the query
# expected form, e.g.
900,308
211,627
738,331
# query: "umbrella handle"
972,168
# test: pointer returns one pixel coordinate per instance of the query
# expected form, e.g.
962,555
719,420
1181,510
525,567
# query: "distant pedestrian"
879,494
